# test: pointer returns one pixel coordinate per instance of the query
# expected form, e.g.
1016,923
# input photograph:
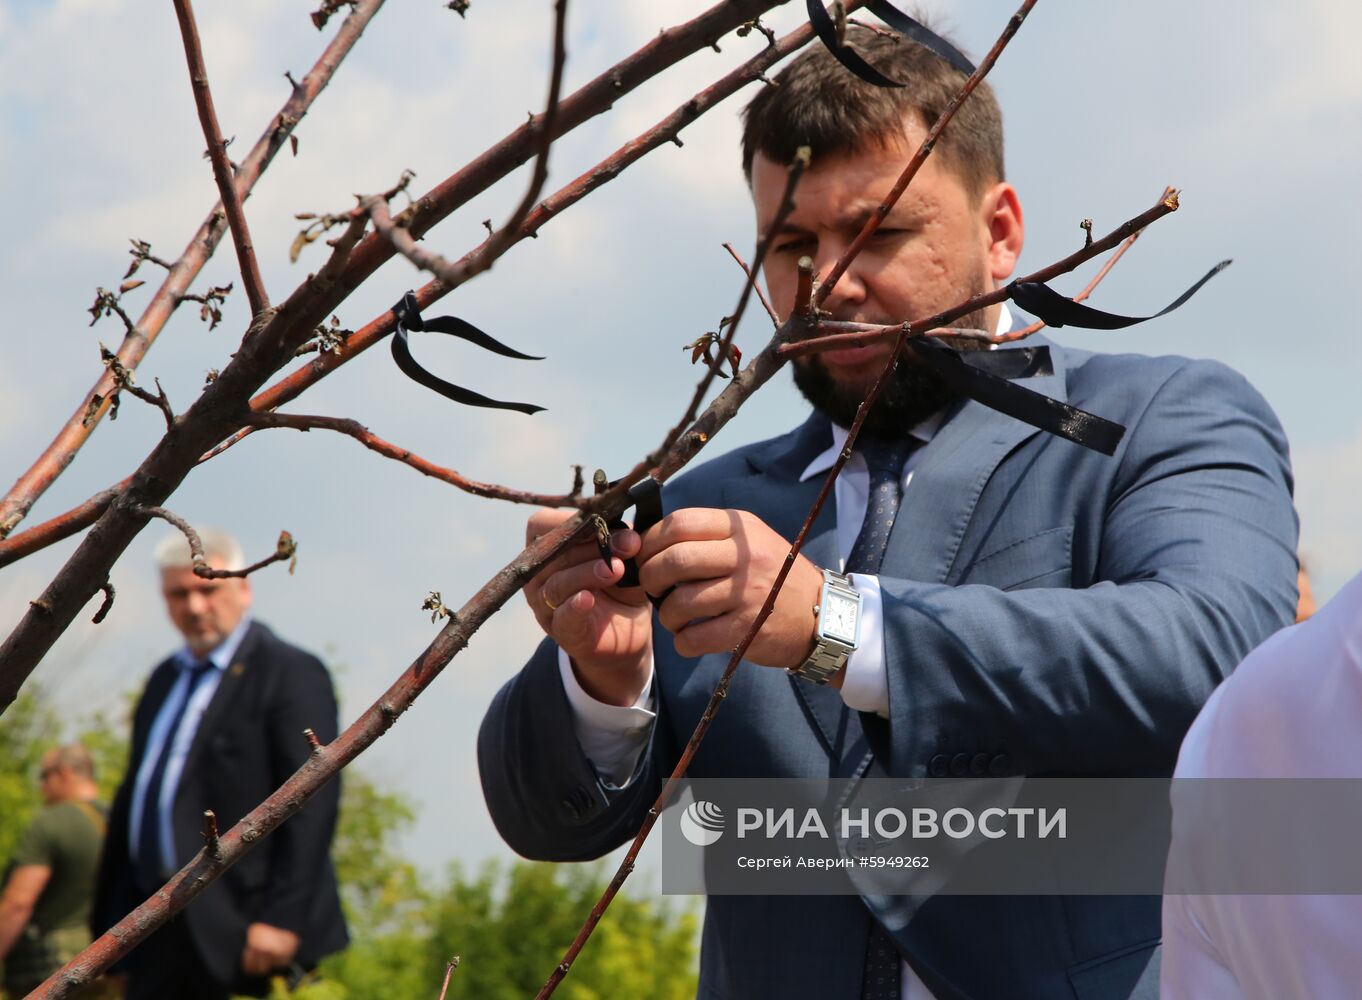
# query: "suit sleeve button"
1000,766
940,766
978,765
960,765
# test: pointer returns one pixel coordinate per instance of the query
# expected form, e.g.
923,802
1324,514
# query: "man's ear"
1001,214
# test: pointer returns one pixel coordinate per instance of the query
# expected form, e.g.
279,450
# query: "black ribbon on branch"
983,375
831,36
1053,309
409,319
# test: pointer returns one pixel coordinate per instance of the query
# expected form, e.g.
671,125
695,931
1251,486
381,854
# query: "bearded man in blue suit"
1036,608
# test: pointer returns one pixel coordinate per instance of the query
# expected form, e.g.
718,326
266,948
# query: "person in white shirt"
1293,709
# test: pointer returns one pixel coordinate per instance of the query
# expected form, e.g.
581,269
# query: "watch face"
839,617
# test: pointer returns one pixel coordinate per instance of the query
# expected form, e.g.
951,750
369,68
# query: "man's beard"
911,394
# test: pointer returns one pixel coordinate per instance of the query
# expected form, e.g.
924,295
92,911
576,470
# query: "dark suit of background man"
220,726
1037,608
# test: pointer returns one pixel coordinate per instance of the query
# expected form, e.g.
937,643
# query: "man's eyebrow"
853,219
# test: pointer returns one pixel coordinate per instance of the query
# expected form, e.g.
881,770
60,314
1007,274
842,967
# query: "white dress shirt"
220,658
1293,709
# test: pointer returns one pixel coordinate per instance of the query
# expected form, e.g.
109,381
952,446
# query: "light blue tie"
150,872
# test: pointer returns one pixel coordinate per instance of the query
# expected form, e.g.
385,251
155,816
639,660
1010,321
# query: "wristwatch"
839,629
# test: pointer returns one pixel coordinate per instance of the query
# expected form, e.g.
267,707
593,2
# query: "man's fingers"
688,561
690,524
593,575
710,635
702,599
623,543
574,624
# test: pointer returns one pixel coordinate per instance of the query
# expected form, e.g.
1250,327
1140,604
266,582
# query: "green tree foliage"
27,729
509,925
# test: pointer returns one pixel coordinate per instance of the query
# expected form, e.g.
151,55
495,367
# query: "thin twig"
923,151
105,607
450,966
1091,286
212,843
356,430
217,155
122,379
756,284
285,549
107,302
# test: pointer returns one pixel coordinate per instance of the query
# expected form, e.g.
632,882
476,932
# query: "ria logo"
702,823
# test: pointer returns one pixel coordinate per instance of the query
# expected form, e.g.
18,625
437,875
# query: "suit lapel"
229,687
950,477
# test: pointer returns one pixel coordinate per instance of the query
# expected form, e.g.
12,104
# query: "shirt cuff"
611,736
865,685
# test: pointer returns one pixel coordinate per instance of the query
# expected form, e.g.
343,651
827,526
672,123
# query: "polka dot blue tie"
884,457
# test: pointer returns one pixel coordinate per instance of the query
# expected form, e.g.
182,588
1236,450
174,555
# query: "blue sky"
1254,116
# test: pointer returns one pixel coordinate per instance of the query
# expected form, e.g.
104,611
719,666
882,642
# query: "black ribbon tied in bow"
409,320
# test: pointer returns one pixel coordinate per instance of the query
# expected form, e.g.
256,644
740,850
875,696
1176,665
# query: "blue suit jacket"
1048,611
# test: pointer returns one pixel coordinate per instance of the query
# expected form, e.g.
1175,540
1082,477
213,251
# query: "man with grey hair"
220,726
45,904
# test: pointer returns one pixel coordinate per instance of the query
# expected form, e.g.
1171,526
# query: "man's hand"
267,949
719,566
606,631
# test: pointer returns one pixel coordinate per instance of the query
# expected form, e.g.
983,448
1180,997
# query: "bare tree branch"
290,387
1091,286
373,442
756,283
16,504
123,382
285,549
500,241
62,526
107,606
217,155
450,966
917,328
